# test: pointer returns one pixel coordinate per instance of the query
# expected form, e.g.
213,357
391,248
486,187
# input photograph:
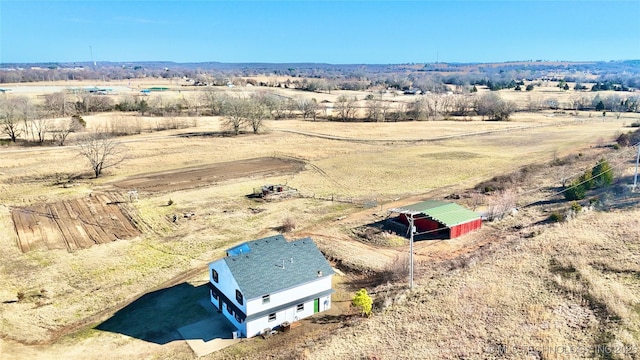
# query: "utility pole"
411,229
91,51
635,177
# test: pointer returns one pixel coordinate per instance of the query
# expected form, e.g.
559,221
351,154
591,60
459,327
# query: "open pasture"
349,162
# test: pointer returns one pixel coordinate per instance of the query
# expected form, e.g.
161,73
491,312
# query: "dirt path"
436,138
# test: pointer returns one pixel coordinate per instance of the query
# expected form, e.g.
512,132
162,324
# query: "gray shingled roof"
274,264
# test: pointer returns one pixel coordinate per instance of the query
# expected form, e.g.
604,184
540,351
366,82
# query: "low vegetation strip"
72,224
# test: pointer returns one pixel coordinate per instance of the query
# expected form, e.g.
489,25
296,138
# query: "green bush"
363,302
586,180
575,191
556,216
575,207
599,176
602,174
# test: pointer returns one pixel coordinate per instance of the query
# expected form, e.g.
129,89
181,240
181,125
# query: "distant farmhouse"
267,283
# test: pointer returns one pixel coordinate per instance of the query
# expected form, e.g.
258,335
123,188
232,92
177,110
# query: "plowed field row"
72,224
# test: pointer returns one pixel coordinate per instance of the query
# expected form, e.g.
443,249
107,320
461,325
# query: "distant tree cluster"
492,107
20,118
495,85
609,85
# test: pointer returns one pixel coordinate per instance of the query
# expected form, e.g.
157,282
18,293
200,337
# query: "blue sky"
337,32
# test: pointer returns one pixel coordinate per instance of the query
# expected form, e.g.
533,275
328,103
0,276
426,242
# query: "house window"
238,318
272,317
214,295
266,299
300,307
239,297
214,275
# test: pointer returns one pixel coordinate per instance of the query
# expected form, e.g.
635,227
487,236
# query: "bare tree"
534,103
193,104
492,106
257,113
432,106
236,111
308,108
573,102
276,106
26,111
40,128
214,100
501,204
461,105
76,123
420,108
552,103
57,104
346,107
93,103
102,152
9,118
374,110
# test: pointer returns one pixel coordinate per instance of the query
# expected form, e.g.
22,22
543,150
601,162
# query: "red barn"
447,219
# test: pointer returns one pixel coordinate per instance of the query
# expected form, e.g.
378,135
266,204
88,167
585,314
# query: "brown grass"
573,285
486,304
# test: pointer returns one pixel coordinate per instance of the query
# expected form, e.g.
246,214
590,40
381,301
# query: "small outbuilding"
439,218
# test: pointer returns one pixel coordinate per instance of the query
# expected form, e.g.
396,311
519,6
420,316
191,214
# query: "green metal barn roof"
449,214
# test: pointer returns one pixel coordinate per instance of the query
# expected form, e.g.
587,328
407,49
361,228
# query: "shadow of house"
156,316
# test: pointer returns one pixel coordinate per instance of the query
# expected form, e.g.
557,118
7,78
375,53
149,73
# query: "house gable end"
226,285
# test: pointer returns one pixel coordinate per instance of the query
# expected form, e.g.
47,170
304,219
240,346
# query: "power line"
409,215
635,176
556,193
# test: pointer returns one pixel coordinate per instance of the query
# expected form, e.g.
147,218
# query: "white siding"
286,296
240,326
226,283
228,286
291,314
256,326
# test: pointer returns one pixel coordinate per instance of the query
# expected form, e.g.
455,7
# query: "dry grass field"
569,292
564,285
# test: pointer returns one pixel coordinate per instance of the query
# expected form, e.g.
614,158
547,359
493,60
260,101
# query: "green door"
316,306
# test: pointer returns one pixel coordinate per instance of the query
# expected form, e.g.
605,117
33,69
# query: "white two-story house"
263,283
